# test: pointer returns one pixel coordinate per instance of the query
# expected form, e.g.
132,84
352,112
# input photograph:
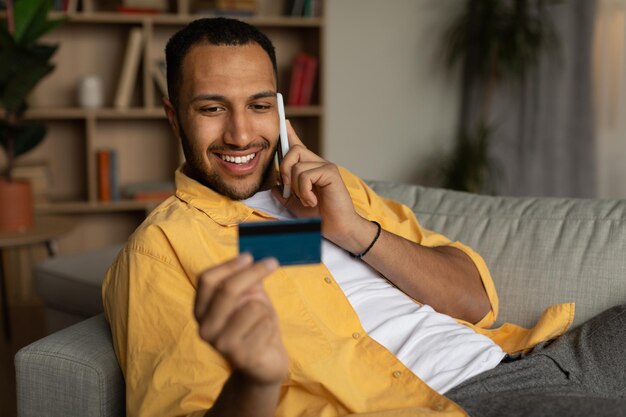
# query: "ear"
170,112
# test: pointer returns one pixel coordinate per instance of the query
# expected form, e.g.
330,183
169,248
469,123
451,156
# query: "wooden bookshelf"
94,43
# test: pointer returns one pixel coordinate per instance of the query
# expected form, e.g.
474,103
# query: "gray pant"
582,373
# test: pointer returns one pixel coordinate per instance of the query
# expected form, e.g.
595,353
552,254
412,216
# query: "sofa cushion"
540,251
72,283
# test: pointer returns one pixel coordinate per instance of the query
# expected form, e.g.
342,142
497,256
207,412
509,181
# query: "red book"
297,77
104,175
308,81
137,10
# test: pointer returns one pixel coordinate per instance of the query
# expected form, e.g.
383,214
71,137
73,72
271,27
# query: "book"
303,77
304,8
160,76
232,8
150,190
70,6
129,71
297,75
114,175
296,8
156,5
137,10
108,177
104,175
308,81
88,6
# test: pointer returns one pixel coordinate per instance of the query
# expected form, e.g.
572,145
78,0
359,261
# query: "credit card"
291,242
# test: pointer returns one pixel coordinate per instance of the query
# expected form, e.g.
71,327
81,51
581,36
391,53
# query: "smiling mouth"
238,160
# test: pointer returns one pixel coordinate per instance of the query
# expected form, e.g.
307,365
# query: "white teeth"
238,159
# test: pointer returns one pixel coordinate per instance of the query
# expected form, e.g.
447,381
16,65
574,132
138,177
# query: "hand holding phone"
283,143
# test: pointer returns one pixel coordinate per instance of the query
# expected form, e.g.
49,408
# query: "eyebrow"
219,97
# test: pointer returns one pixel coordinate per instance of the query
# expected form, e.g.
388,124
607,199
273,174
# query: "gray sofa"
540,252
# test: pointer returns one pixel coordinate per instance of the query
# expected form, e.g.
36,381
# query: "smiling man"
394,317
228,107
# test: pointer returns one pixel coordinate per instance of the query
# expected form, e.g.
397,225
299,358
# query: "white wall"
390,106
610,98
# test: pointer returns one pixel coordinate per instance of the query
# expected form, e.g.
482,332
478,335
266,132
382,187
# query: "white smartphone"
283,142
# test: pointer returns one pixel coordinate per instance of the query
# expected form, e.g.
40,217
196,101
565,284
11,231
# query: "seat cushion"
72,283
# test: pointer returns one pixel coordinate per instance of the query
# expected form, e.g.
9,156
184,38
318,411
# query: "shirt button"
328,280
397,374
356,335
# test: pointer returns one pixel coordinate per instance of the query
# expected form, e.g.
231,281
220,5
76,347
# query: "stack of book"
142,6
150,191
304,8
303,77
230,8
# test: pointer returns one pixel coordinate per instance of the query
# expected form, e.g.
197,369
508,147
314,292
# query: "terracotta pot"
16,205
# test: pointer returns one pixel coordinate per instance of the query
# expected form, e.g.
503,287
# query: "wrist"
255,387
359,237
379,229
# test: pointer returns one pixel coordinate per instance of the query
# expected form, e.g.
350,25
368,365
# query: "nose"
239,129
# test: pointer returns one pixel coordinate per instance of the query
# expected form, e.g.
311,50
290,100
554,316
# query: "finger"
292,136
254,293
297,152
296,170
309,176
227,295
211,278
230,342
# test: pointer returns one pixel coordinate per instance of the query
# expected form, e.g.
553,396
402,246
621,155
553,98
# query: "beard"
196,169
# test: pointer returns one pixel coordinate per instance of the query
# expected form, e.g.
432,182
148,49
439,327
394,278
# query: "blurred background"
394,107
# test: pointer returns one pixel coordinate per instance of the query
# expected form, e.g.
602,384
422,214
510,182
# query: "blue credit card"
291,242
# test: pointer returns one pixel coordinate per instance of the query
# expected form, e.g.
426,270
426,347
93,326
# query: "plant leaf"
31,20
28,137
16,91
28,13
25,136
36,31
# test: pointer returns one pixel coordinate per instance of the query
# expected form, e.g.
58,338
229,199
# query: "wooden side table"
44,231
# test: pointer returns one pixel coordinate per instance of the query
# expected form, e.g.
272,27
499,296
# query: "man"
393,318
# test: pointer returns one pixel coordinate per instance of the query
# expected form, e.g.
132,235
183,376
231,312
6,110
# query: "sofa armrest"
73,372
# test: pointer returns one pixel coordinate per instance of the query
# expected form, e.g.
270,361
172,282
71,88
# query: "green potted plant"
25,62
494,41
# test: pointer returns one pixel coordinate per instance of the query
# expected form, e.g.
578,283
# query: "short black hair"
216,31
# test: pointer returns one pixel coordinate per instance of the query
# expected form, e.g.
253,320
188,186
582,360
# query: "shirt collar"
223,210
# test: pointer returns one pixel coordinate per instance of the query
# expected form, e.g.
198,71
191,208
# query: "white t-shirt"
440,351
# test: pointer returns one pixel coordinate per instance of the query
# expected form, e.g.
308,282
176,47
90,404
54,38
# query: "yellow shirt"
335,367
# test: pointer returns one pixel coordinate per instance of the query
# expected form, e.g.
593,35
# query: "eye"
260,107
212,109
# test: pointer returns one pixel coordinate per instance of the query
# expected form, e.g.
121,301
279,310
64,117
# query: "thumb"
293,204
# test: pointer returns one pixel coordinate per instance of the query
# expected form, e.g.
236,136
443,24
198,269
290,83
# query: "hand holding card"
291,242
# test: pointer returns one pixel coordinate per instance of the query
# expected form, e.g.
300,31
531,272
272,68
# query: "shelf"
85,207
75,113
182,19
95,43
72,113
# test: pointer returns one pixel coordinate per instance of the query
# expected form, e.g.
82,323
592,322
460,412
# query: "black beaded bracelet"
362,254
